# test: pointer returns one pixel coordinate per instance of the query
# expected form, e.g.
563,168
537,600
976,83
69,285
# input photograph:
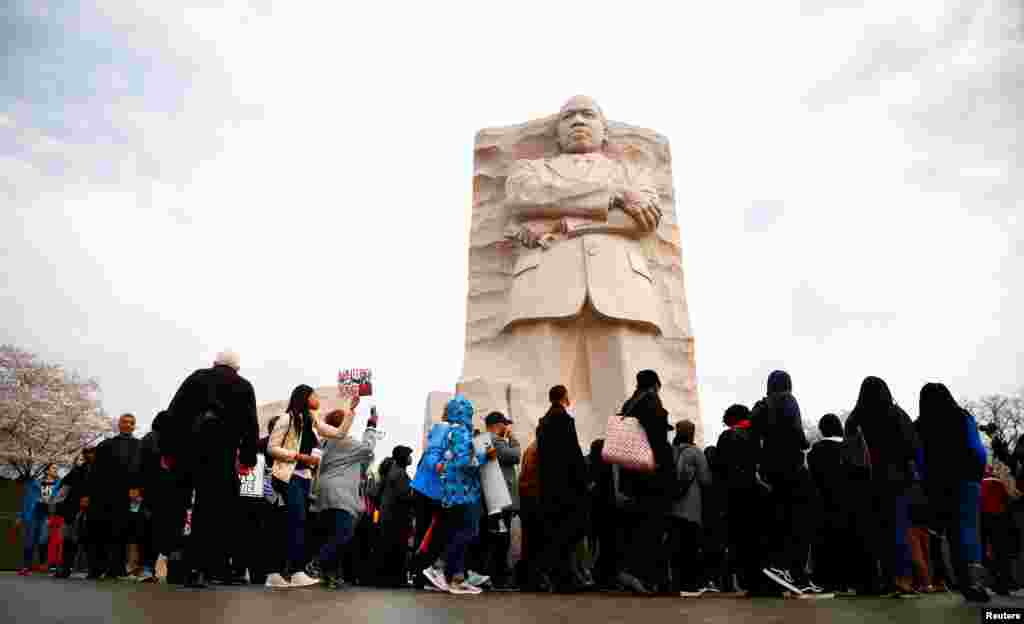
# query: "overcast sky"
294,181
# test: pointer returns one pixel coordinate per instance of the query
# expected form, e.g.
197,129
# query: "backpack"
735,445
685,474
854,453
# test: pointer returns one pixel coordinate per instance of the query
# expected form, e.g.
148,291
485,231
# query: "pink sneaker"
25,572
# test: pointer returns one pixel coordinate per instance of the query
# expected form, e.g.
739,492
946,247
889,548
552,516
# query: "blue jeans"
344,528
465,523
35,534
903,560
295,503
970,540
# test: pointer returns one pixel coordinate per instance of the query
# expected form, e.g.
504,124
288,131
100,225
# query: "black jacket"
831,476
736,459
562,471
396,495
147,462
892,440
113,472
231,397
651,491
77,483
776,422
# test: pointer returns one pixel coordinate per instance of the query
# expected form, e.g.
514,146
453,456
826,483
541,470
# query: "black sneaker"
976,593
330,582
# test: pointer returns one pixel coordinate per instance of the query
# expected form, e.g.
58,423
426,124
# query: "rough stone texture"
436,401
510,369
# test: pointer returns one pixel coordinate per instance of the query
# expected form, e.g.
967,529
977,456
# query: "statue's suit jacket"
609,269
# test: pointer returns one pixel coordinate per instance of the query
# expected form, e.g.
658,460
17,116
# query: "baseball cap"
496,418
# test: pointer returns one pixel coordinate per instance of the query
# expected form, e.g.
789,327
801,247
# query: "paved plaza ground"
41,599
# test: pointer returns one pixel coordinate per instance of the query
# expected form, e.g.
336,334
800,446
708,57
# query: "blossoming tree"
47,414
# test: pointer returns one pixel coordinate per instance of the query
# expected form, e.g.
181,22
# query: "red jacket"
994,495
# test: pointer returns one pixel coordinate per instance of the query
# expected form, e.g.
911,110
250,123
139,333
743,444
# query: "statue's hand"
530,239
646,213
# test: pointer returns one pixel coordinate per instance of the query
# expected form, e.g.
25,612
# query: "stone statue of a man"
583,308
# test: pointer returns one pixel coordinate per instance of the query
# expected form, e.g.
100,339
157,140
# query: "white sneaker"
464,588
477,580
436,578
783,578
276,581
692,594
301,579
810,595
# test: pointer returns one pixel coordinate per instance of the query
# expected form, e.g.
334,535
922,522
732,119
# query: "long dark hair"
941,420
301,421
298,404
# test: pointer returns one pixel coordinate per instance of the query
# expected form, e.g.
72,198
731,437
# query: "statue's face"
581,126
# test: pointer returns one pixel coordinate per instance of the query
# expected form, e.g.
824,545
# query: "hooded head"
647,380
158,421
779,381
460,411
402,455
936,400
735,414
874,396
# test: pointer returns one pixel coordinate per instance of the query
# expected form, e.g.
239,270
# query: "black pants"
496,546
564,527
641,537
686,557
250,514
426,508
216,506
831,551
751,535
609,559
167,499
792,514
71,547
945,504
358,557
107,525
996,533
391,556
532,542
275,540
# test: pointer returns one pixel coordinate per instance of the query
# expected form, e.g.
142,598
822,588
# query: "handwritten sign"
360,377
252,483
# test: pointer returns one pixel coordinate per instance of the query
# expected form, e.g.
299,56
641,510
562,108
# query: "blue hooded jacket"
427,482
461,477
33,494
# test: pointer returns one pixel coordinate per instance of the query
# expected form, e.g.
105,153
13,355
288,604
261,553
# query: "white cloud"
296,183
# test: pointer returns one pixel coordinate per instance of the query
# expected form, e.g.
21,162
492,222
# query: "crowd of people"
880,506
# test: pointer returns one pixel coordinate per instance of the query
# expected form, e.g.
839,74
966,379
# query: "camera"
989,428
